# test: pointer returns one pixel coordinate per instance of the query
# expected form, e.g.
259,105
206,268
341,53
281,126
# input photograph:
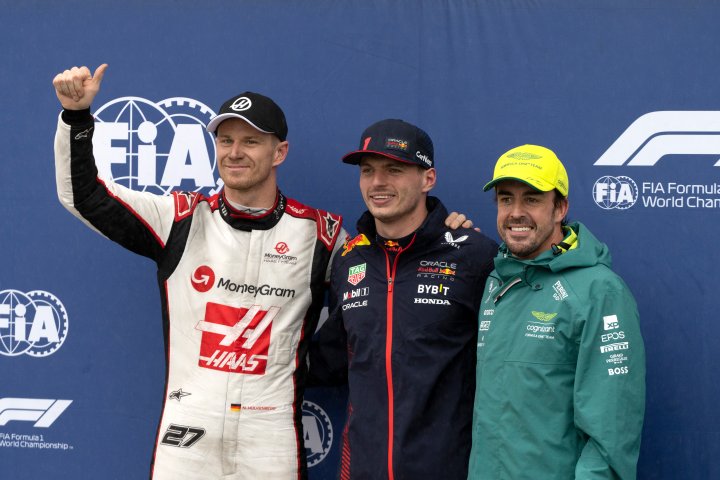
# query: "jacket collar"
432,227
245,222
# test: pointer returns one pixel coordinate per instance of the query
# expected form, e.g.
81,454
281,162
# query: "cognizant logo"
648,139
156,146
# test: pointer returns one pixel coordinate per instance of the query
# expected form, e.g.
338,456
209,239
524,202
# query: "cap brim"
215,122
353,158
495,181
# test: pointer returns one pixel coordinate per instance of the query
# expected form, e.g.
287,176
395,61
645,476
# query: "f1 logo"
42,411
657,134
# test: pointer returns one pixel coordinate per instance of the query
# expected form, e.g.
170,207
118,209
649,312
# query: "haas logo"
203,278
236,340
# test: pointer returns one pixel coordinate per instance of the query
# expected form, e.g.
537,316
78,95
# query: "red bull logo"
350,244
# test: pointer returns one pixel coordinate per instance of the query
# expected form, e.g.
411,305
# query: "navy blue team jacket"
402,332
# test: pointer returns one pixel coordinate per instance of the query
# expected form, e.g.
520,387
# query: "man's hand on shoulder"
76,88
456,220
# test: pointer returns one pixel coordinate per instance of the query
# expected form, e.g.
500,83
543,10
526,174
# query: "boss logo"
618,371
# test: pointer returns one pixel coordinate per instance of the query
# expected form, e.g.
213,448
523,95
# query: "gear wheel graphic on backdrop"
157,146
318,433
33,323
619,192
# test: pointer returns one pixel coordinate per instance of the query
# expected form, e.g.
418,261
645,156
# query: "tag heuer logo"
356,274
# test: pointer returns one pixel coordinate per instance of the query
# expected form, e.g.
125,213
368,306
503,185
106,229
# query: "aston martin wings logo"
657,134
543,316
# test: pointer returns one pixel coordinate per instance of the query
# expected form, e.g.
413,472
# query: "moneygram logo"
645,142
42,411
33,323
318,433
203,278
156,146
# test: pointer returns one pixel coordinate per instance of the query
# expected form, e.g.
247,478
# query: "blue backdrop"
80,334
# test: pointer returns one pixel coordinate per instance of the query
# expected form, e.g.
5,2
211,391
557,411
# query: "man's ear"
429,179
561,209
281,151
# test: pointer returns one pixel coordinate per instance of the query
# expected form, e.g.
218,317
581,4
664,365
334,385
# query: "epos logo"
42,411
612,336
33,323
156,146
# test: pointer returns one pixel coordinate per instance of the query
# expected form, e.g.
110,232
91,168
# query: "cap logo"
396,144
424,158
524,156
366,143
241,104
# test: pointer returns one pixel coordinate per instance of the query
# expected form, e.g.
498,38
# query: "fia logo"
33,323
615,192
318,433
156,146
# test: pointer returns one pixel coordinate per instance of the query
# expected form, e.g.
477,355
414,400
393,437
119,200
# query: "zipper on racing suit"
391,275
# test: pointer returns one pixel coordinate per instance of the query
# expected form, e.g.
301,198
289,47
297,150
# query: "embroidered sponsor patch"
357,273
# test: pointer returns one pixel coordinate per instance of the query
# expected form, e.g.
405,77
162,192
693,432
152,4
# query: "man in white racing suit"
241,274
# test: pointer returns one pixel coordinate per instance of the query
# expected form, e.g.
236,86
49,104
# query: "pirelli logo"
614,347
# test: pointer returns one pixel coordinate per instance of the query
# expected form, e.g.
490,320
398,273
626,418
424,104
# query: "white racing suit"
241,297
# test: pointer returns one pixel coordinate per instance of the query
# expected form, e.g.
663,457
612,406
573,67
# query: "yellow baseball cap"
537,166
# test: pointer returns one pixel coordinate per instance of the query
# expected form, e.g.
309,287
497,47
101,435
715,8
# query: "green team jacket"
561,368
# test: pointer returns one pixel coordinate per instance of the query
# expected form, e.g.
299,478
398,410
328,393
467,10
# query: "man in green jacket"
561,362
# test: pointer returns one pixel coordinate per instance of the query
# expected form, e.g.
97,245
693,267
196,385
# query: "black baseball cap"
257,110
397,140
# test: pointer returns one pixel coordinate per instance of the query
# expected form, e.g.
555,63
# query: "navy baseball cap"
257,110
397,140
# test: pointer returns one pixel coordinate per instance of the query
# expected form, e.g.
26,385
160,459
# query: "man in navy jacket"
402,331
